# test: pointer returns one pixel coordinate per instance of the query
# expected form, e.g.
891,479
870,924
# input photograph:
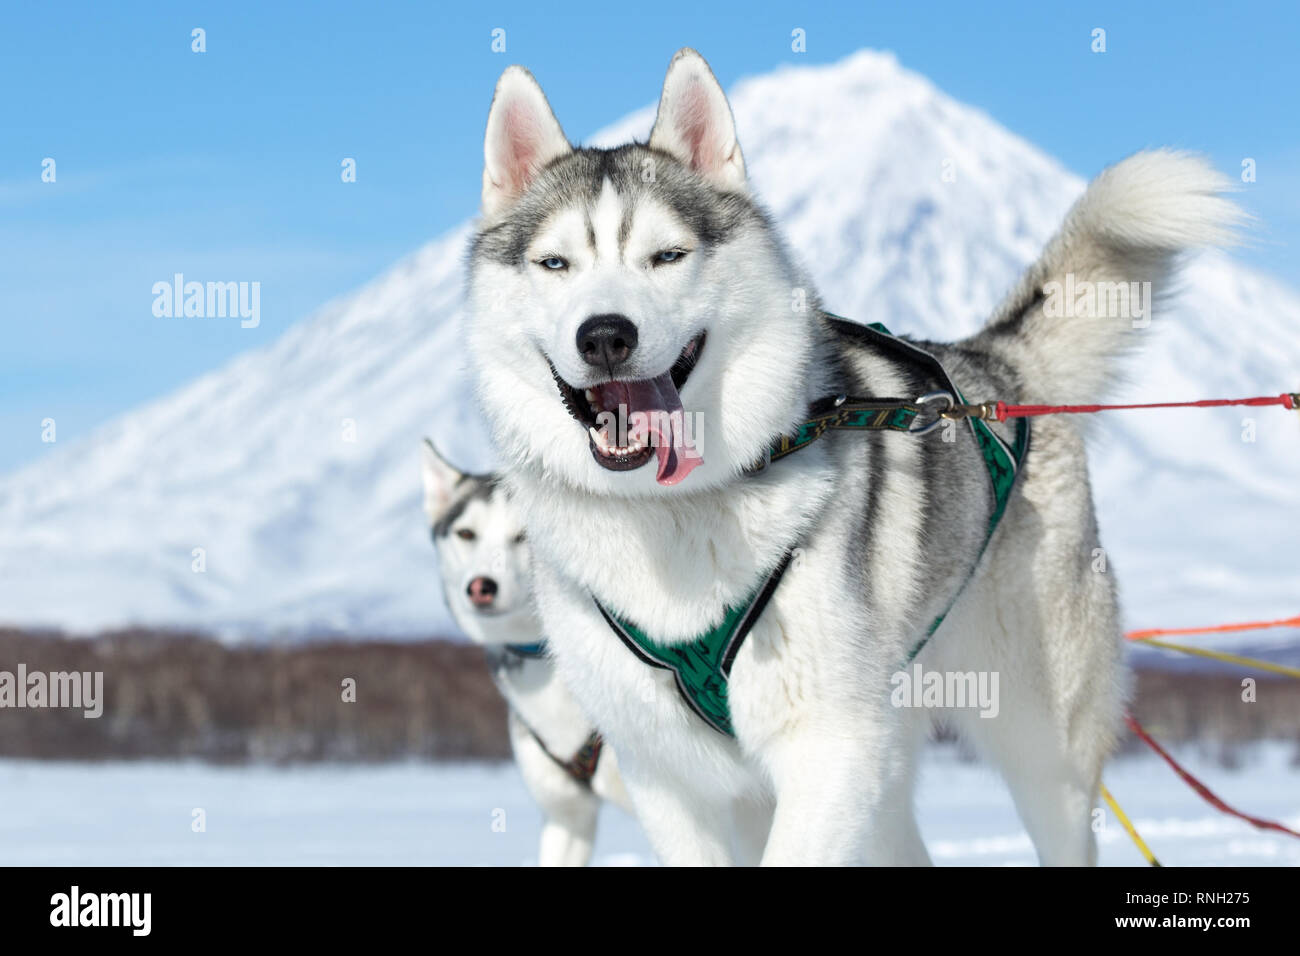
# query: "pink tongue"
653,405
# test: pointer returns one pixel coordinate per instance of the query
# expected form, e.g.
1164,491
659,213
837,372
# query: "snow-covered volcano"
303,530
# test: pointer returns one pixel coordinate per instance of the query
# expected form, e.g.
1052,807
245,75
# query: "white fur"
539,702
821,769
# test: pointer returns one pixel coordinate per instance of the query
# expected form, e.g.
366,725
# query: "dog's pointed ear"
440,479
694,122
523,135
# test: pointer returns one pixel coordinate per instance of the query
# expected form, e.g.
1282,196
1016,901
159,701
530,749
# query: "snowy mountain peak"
293,468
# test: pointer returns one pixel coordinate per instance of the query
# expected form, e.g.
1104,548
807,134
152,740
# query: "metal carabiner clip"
931,398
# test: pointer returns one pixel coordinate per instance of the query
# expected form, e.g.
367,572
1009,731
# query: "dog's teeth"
591,396
604,444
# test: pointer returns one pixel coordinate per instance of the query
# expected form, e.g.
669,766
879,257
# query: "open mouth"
630,422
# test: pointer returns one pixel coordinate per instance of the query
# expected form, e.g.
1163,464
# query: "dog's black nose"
482,592
606,341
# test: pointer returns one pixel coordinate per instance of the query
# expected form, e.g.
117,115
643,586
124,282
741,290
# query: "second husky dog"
483,559
734,581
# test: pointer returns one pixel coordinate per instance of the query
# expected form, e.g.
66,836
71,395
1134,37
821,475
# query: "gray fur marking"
470,488
576,180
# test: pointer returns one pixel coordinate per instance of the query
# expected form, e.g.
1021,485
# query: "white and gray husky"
737,617
484,563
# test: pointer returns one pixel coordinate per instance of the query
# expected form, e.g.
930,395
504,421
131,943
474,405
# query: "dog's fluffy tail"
1085,301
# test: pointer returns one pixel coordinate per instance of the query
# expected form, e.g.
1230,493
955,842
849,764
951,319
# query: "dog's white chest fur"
671,570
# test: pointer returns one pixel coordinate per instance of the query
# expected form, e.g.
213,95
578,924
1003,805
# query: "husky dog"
484,563
644,282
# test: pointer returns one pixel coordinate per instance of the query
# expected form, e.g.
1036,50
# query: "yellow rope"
1220,656
1128,827
1251,662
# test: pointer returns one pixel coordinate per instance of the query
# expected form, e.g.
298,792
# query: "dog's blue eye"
553,262
669,255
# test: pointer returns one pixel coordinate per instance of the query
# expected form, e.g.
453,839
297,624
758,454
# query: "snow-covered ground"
416,814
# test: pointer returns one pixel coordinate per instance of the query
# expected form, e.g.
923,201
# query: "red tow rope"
1002,411
1201,788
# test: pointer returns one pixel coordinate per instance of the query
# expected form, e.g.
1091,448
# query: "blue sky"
226,164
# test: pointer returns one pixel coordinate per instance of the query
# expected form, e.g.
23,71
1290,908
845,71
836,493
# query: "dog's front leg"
831,784
569,835
684,828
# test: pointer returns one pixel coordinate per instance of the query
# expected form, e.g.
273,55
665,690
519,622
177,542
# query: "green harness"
701,667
